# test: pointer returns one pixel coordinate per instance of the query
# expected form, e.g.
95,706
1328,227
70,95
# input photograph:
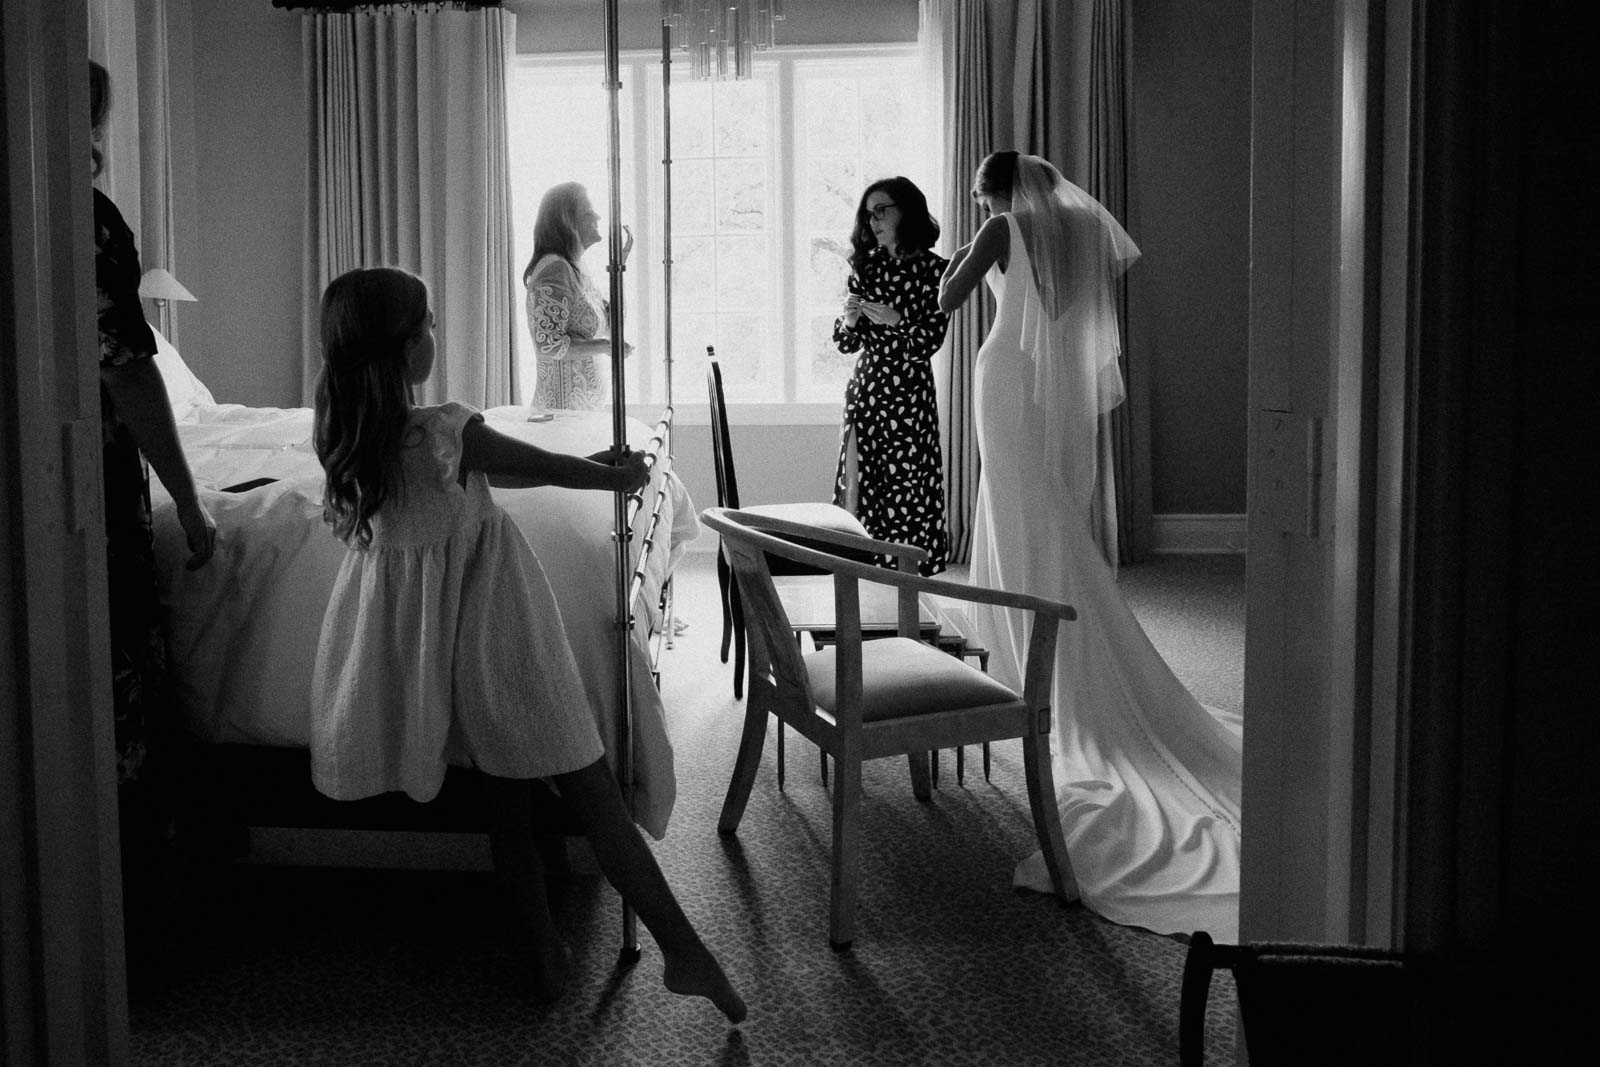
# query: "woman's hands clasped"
855,309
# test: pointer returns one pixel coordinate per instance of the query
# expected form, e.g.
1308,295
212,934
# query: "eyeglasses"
880,211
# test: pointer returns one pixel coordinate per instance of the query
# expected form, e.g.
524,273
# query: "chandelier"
721,36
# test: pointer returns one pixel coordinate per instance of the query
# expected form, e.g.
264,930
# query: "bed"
243,630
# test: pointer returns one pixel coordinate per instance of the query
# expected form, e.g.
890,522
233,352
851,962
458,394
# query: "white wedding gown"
1146,777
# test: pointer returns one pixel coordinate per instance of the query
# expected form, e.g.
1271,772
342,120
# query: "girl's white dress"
442,642
1147,778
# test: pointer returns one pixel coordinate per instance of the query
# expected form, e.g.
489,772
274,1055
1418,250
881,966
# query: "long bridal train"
1147,778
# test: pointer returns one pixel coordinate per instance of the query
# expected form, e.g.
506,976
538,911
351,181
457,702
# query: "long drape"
408,167
1110,121
1070,104
955,38
1049,77
129,39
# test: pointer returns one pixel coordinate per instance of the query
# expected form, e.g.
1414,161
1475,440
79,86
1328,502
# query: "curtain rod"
341,6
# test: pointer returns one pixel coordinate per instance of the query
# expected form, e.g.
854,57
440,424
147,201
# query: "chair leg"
1046,820
1192,995
961,765
933,765
744,768
724,586
921,780
781,760
983,665
736,610
846,848
824,757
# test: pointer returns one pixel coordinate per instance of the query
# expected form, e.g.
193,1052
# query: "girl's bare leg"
517,864
631,867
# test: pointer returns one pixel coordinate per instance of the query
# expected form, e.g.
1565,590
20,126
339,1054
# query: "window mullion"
788,240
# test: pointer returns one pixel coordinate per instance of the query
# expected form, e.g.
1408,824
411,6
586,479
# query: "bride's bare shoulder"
994,236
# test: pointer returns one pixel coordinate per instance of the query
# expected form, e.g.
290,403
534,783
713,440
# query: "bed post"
666,202
619,433
666,271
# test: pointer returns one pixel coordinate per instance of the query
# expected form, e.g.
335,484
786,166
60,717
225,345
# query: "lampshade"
157,284
721,36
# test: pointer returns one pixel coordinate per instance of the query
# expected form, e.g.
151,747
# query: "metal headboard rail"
658,455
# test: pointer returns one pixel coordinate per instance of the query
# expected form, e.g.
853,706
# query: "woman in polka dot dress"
890,435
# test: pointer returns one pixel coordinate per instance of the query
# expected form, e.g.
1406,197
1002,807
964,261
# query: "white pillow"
187,393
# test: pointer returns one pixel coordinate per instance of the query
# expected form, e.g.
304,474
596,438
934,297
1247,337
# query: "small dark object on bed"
253,483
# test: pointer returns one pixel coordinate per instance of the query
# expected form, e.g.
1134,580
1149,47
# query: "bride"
1147,778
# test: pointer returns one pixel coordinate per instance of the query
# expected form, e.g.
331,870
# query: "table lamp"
157,286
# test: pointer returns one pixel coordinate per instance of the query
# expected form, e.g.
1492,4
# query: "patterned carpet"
284,964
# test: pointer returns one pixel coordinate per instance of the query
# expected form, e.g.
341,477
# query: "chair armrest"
758,525
858,546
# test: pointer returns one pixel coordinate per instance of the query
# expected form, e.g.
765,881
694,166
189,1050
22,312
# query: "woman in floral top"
136,424
135,418
566,314
891,420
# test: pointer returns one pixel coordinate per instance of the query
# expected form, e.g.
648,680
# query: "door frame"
1331,278
62,982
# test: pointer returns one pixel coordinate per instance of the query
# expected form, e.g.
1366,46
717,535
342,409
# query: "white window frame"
641,75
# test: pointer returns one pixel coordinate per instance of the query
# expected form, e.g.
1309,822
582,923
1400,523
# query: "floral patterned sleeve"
846,339
921,322
124,334
552,293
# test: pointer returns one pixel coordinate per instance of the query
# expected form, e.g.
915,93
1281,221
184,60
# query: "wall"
1191,144
249,186
1190,204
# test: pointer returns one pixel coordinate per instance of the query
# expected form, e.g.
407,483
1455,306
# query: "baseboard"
371,849
1197,534
283,846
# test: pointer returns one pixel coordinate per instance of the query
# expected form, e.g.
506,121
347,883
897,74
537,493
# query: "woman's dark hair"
99,108
556,227
917,231
997,174
362,398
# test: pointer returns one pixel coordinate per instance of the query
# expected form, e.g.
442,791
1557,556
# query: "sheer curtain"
1048,77
129,39
408,167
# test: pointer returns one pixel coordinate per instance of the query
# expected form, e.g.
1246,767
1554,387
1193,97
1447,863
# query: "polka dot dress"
890,407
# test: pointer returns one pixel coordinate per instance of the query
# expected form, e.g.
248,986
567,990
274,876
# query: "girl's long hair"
556,227
362,398
917,231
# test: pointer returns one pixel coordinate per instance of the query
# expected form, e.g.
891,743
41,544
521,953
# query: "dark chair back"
721,446
1303,1004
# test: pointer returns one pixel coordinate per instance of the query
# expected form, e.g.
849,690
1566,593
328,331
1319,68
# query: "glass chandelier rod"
722,36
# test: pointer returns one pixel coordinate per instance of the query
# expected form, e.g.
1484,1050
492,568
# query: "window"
766,176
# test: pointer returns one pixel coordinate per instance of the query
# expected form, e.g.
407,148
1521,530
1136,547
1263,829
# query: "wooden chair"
1304,1004
820,513
860,700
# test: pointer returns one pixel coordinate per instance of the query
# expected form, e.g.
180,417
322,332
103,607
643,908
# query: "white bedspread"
244,628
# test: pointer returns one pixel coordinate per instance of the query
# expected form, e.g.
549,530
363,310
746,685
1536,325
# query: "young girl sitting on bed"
442,640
